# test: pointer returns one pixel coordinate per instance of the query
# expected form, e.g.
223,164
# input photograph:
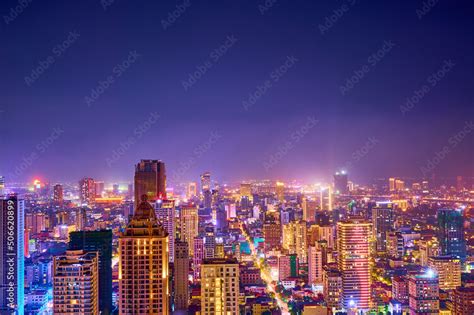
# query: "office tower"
2,186
382,222
165,213
143,264
81,219
332,288
220,287
150,180
315,265
353,261
448,269
288,267
35,222
12,260
326,233
99,188
58,196
76,283
206,190
198,257
451,233
309,210
209,243
400,289
189,225
295,240
399,185
181,272
87,191
427,249
192,190
280,191
423,293
325,198
340,183
101,242
391,184
463,301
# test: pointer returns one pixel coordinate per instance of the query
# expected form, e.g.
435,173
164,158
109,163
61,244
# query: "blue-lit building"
451,233
12,259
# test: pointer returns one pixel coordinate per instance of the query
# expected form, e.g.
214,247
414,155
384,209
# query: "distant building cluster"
259,247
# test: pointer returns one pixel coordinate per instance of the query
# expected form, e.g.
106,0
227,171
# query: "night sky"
273,101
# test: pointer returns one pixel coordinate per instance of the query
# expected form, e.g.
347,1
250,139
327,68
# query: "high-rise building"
400,289
332,288
189,225
58,196
198,257
309,210
150,180
288,266
192,190
427,249
99,188
462,301
206,190
87,191
295,240
81,218
165,213
423,293
12,260
220,287
382,222
272,235
451,233
391,183
181,272
144,264
353,261
448,269
101,242
280,191
315,265
76,283
340,183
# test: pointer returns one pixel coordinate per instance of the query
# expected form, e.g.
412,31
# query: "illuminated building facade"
427,249
150,180
272,235
382,222
198,257
332,288
12,260
58,195
288,267
87,191
192,190
463,301
165,213
400,289
451,233
220,287
181,271
206,190
189,225
423,293
143,264
295,240
353,262
280,191
76,283
315,265
448,270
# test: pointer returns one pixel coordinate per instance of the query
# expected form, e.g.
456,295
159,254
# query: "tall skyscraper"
220,287
165,213
12,260
191,190
189,225
332,288
206,190
423,293
382,222
81,218
272,235
198,257
353,261
181,272
58,196
448,269
451,233
315,265
144,264
101,242
150,180
340,183
76,283
87,191
295,240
